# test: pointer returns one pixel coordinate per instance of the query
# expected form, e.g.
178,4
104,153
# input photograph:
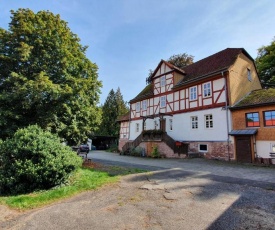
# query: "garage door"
243,149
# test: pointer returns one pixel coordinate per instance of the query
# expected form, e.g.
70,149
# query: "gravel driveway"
164,199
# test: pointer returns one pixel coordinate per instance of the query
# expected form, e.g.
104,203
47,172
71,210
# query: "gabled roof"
215,63
171,66
206,67
256,98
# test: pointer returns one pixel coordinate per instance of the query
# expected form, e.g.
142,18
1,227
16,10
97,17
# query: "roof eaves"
181,83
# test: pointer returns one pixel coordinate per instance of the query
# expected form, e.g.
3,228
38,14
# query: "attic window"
249,75
162,81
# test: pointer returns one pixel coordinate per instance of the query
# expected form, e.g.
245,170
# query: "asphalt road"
176,194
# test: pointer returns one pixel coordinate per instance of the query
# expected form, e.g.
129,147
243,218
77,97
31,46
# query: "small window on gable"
137,106
249,75
144,105
162,101
162,81
193,93
207,89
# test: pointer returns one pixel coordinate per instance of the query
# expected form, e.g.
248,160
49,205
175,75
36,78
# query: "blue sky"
126,38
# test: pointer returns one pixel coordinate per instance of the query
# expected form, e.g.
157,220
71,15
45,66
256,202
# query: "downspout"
226,111
129,121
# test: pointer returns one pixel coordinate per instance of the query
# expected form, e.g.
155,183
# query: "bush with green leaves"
34,159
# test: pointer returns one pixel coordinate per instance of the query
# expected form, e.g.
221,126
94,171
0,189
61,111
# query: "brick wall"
216,150
163,149
264,133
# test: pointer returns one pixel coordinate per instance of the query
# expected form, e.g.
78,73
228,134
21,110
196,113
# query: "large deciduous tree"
265,63
113,107
46,78
181,60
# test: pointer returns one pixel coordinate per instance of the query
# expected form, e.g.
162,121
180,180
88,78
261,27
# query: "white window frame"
162,81
207,91
203,150
162,101
137,127
249,77
170,124
208,121
138,107
193,91
144,105
155,124
194,122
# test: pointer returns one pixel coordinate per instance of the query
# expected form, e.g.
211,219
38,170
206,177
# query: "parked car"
83,148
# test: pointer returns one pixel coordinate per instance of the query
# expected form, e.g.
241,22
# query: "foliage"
34,159
155,153
82,180
113,107
46,79
181,60
113,148
178,60
265,63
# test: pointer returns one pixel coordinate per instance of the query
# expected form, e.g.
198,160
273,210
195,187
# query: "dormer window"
162,81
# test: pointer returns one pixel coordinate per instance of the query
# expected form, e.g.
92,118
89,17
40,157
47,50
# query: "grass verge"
90,176
84,179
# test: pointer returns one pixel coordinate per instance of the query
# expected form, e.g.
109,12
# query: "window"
249,75
193,93
137,106
203,148
144,105
162,101
269,118
252,120
208,121
137,127
194,122
155,124
207,89
170,124
162,81
144,125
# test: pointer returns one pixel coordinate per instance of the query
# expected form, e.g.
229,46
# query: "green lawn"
84,179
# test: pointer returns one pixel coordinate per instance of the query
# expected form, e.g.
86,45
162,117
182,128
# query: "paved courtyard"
174,194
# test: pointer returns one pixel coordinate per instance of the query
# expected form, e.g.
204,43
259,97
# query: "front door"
163,125
243,149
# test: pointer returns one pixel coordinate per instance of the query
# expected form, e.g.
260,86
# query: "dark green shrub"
33,160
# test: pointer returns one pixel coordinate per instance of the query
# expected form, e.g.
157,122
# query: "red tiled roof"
217,62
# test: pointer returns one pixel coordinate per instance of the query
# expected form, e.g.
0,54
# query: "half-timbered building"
190,106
